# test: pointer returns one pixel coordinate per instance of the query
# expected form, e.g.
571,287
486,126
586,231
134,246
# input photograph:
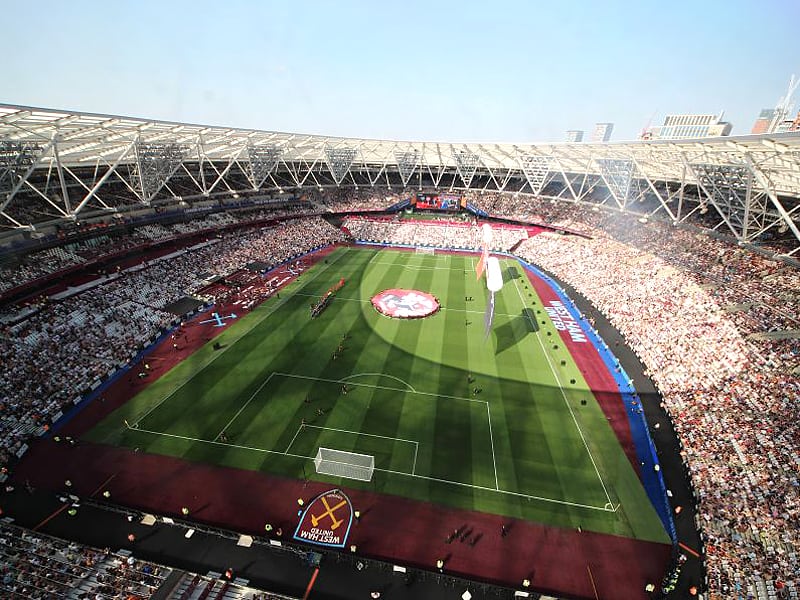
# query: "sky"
491,71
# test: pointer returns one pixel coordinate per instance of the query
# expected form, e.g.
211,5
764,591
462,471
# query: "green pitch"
521,445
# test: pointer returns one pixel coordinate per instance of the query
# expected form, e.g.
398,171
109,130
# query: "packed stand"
53,355
735,402
523,207
45,262
432,233
371,199
38,567
193,585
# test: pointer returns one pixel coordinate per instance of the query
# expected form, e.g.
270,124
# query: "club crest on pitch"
405,304
326,520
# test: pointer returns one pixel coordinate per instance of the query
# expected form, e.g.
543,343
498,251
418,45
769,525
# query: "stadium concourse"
691,307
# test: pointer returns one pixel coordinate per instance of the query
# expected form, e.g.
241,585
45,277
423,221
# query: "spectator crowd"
39,567
707,319
433,233
713,324
704,318
72,253
54,350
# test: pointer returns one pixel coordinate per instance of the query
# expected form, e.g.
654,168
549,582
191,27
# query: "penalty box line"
385,437
485,402
609,508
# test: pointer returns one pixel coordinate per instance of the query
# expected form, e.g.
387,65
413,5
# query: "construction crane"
783,109
645,133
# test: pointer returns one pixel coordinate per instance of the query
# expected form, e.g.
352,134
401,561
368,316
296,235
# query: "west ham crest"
326,520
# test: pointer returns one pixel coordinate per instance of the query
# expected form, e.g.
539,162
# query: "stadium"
265,365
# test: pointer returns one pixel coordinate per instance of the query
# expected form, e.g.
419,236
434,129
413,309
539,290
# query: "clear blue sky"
453,71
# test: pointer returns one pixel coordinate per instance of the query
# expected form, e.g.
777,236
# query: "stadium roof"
752,181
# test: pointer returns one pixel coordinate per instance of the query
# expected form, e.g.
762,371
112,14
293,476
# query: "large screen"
438,202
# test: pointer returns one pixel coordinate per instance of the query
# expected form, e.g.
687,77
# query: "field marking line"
377,387
414,267
485,402
491,439
386,437
410,387
294,438
253,395
425,477
564,396
217,354
442,308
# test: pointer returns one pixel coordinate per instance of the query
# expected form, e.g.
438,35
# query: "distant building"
602,132
778,119
679,127
574,135
764,121
788,125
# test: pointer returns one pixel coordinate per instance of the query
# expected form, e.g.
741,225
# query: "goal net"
419,250
344,464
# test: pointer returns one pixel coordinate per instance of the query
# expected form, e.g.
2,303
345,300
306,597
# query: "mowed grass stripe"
381,407
524,439
435,358
566,470
432,455
231,378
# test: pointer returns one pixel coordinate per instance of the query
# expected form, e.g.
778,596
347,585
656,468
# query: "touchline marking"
425,477
491,438
253,395
219,353
564,396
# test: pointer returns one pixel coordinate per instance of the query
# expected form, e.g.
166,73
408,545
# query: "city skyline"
522,72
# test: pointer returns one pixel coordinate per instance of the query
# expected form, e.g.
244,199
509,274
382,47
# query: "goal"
344,464
423,250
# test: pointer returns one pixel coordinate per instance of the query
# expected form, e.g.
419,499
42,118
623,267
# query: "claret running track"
497,429
451,416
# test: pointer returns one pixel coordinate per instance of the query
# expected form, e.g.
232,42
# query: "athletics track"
560,561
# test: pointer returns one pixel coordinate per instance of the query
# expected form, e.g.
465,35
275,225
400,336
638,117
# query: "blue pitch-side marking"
219,320
474,209
652,480
88,398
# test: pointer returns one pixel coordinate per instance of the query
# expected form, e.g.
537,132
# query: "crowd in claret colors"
432,233
34,566
700,313
695,310
72,254
56,349
348,200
